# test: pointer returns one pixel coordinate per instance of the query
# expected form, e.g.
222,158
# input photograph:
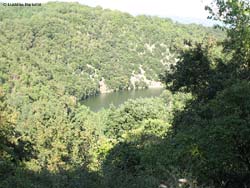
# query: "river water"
96,103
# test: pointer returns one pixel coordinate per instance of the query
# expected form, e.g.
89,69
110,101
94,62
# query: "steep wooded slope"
76,50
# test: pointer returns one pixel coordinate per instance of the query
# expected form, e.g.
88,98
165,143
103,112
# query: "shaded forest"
196,134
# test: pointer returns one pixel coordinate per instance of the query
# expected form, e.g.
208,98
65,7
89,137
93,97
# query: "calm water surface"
98,102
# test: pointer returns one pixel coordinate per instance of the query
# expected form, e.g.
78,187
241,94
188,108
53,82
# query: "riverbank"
150,84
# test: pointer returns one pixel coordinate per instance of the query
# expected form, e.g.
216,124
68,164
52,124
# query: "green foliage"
235,14
136,115
200,71
69,47
208,138
54,56
137,129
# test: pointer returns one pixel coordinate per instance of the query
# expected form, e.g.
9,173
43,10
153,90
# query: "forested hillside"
195,135
79,51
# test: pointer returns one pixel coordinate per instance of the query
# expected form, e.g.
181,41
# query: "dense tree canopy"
69,48
212,129
54,56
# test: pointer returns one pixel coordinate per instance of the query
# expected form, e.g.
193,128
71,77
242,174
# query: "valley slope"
79,51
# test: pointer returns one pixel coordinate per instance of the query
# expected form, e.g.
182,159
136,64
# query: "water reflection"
98,102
